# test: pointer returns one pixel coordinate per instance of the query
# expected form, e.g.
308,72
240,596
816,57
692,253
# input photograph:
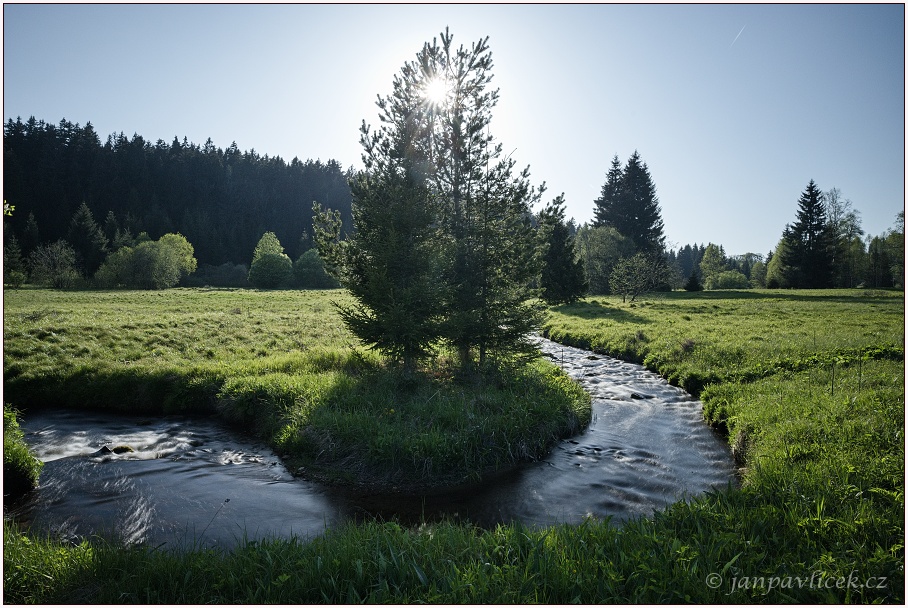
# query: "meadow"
808,386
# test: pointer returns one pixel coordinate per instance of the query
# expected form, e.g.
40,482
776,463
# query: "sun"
436,91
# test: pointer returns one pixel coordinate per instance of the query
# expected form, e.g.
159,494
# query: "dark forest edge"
821,451
221,200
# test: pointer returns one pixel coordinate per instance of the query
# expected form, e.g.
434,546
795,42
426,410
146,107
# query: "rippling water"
192,481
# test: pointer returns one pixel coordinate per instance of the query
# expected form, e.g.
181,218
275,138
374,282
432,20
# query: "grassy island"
808,385
283,365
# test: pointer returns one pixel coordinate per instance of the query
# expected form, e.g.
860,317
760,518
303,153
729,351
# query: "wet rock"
104,451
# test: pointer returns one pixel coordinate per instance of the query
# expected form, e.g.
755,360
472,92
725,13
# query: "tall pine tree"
439,193
643,216
629,204
485,212
608,210
87,240
808,243
563,279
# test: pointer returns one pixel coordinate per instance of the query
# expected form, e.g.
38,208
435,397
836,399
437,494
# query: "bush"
271,270
20,468
150,265
637,275
54,265
731,279
116,271
15,279
310,272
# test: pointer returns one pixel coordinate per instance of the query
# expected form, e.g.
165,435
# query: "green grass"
282,364
695,339
20,468
809,386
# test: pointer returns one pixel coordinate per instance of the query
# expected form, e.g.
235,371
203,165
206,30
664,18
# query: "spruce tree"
563,279
629,204
608,211
31,237
809,243
485,213
390,262
14,270
693,282
643,217
442,224
87,240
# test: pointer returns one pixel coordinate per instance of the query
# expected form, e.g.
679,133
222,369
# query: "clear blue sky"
734,108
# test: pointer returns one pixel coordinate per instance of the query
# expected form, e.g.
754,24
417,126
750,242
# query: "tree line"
86,258
825,247
221,200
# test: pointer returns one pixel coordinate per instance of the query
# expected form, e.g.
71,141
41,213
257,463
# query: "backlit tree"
440,209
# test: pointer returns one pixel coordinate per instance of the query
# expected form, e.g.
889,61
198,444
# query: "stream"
194,482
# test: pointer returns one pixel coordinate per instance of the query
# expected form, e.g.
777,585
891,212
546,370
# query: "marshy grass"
809,387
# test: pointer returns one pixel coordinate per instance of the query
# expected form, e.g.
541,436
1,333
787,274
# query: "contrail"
736,38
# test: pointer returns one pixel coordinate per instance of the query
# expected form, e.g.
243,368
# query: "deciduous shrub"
730,279
54,265
310,272
271,267
271,270
150,265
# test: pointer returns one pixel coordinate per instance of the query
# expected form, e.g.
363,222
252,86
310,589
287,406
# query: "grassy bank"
810,387
21,469
282,365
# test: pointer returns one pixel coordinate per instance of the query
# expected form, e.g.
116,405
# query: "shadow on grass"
845,296
138,390
597,310
388,431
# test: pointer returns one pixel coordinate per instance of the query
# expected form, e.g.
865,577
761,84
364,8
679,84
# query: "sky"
734,108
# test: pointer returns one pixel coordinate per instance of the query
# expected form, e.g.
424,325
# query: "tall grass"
20,468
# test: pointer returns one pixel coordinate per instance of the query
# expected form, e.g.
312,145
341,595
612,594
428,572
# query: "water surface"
196,482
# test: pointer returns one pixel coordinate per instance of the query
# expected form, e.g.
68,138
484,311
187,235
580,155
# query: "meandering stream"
195,482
